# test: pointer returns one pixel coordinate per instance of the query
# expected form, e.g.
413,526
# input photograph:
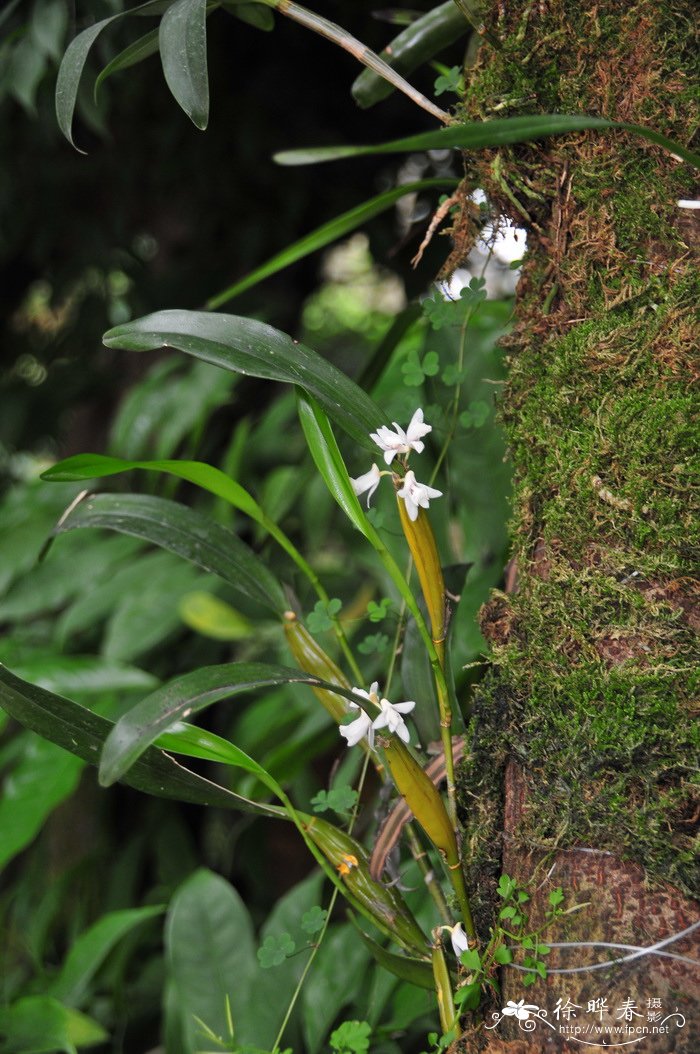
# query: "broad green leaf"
83,675
51,585
213,617
108,597
188,695
92,947
479,134
244,345
211,957
417,971
180,530
82,733
416,44
328,459
328,989
148,616
42,777
182,41
135,52
73,64
39,1024
327,233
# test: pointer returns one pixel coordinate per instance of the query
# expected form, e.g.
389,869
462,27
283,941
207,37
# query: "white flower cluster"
389,717
416,495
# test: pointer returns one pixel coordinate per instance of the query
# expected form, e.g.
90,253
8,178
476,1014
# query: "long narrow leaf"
479,134
244,345
325,234
81,732
180,530
182,41
97,466
134,53
188,695
73,64
324,450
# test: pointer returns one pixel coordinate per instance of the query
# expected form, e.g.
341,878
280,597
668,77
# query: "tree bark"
581,773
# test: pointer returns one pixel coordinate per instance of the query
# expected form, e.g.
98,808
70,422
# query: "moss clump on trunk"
592,685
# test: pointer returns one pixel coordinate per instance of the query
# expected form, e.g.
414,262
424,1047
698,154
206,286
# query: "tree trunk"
583,742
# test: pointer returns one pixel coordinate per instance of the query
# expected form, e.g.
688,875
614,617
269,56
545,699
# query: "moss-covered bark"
591,691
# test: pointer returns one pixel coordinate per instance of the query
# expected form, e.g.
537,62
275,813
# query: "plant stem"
322,934
337,35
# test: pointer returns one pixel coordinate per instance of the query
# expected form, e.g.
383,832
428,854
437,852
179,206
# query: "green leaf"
471,960
48,26
313,920
328,459
320,619
182,41
210,953
39,1024
556,896
81,732
503,955
83,675
135,52
506,887
476,414
91,949
479,134
244,345
325,234
416,44
42,777
188,695
416,971
507,913
275,949
73,64
96,466
254,14
352,1037
329,988
180,530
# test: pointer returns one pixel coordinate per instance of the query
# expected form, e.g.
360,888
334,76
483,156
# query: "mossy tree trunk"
584,746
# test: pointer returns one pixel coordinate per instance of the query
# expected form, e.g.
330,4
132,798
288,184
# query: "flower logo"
520,1010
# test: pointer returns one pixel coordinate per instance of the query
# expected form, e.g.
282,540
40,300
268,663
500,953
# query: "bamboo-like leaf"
73,64
182,41
327,233
134,53
479,134
328,459
244,345
188,695
415,971
81,732
96,466
180,530
416,44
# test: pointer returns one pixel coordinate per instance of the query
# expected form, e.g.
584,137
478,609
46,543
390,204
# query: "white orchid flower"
368,482
391,718
400,442
416,494
521,1010
362,725
460,942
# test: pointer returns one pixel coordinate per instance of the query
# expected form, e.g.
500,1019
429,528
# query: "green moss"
591,687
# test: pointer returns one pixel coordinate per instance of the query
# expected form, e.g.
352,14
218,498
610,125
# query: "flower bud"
421,542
